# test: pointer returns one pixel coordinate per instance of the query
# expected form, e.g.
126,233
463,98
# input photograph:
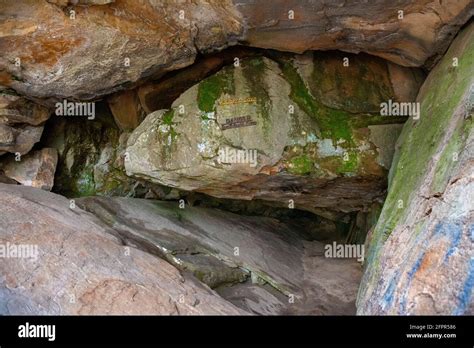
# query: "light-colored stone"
303,148
20,122
257,263
35,169
81,269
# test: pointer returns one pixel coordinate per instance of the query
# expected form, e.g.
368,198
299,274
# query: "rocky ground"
230,143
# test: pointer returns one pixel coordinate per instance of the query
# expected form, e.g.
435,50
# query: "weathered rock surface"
91,156
121,260
20,122
80,268
96,50
369,26
126,109
160,94
421,252
35,169
295,142
257,263
100,49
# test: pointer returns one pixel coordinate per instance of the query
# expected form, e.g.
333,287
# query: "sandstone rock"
425,30
19,139
15,109
98,50
256,263
90,156
20,122
80,2
77,267
184,234
297,144
420,257
36,169
126,109
329,286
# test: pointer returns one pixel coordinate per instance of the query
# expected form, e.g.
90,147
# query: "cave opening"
294,241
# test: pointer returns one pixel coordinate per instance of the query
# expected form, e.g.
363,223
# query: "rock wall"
420,257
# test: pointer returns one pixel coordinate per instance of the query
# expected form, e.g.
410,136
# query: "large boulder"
59,260
53,50
420,256
90,51
298,128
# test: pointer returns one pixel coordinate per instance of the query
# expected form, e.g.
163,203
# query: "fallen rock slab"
72,265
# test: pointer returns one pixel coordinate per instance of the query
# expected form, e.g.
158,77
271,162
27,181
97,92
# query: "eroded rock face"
36,169
278,130
420,256
91,154
126,109
373,27
125,260
101,49
20,122
97,49
75,266
257,263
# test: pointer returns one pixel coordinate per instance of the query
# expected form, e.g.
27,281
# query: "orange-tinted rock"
126,109
97,50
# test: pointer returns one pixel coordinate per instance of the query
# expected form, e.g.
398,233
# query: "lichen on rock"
268,107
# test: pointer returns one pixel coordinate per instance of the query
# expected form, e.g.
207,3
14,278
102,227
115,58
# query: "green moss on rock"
213,87
301,165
